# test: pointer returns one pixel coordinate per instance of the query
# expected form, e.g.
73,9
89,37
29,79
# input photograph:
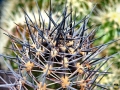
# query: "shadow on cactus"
56,56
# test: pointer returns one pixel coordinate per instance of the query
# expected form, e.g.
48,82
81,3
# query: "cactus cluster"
59,55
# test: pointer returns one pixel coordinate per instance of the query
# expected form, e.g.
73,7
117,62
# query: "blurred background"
106,13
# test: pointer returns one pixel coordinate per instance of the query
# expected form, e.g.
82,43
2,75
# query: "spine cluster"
58,57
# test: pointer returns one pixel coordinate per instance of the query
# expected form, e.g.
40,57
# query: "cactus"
55,56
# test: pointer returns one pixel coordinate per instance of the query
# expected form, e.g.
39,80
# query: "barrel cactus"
59,55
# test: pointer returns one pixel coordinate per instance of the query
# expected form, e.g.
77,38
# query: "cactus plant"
55,56
11,12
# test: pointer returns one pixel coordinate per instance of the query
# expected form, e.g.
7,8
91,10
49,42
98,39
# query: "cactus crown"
56,57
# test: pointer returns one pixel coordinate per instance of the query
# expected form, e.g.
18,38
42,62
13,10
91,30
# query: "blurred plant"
58,55
108,15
